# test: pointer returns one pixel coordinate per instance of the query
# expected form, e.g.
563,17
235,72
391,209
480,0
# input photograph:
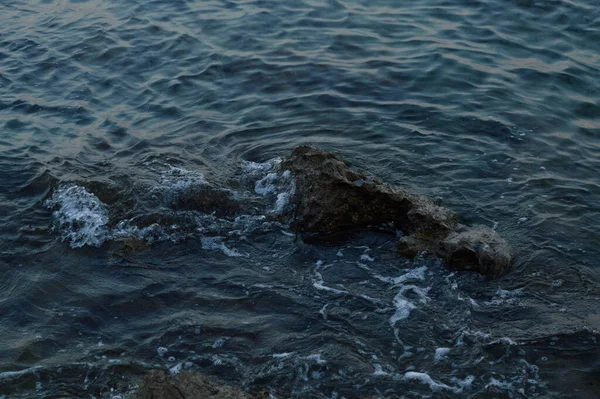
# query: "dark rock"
332,197
476,248
129,245
186,385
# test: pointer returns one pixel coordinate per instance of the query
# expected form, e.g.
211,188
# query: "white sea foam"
217,243
180,179
323,311
403,309
255,168
440,353
266,185
125,230
403,305
174,181
316,358
282,200
500,384
426,379
82,218
282,355
366,258
176,369
435,386
279,185
464,383
161,350
12,374
505,340
379,370
319,283
414,274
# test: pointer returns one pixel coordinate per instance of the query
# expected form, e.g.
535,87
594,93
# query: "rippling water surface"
111,112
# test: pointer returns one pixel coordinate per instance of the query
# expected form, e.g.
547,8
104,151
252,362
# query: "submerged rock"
156,385
208,199
331,196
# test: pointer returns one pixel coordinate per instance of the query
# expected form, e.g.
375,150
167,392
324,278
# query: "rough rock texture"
331,197
186,385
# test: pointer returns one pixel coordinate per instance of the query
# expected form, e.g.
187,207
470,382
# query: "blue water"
492,107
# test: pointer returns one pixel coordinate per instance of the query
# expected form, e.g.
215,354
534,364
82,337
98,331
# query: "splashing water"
81,217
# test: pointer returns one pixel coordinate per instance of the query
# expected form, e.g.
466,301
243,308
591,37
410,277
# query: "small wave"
435,386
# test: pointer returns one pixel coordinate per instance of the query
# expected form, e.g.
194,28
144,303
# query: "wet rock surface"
186,385
331,196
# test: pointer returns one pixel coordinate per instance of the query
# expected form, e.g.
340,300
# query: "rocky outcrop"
332,196
186,385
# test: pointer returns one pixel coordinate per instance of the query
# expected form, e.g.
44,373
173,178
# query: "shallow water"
111,112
